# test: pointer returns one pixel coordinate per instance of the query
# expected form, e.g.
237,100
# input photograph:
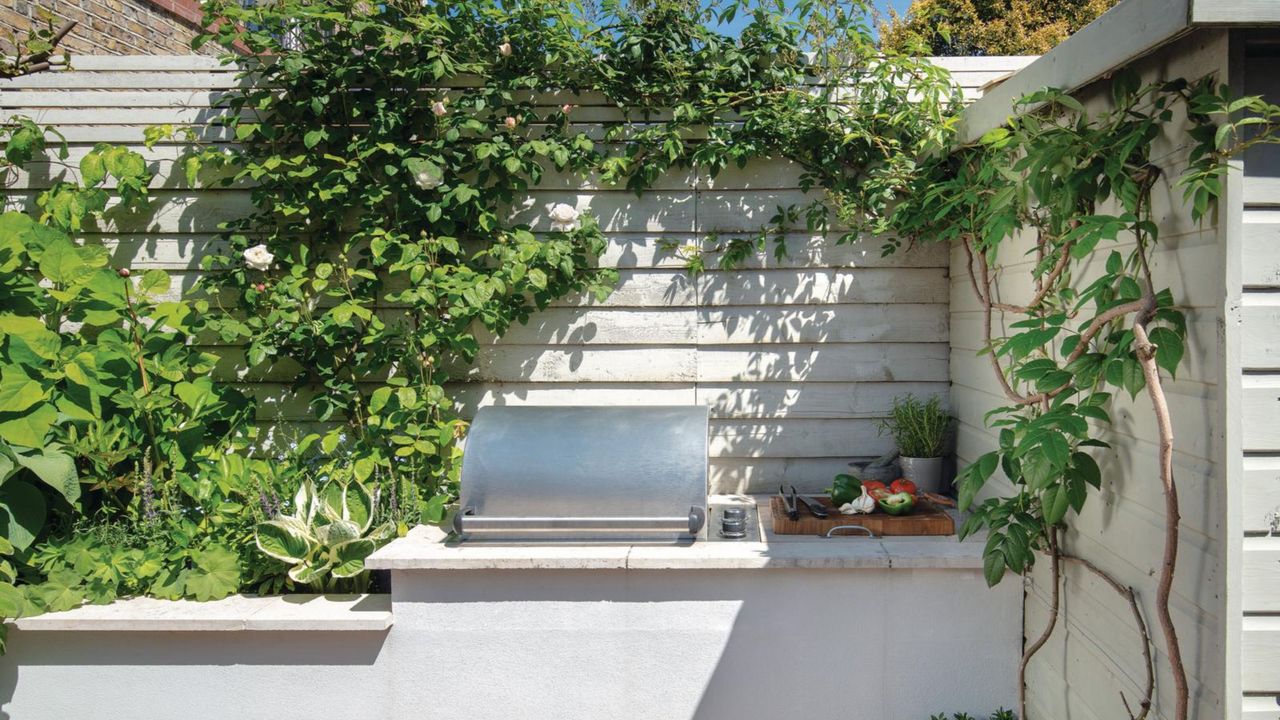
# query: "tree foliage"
988,27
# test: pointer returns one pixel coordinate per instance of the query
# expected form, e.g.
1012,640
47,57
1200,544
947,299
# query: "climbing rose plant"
412,169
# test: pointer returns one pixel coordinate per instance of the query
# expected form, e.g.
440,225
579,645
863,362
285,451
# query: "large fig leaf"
22,513
56,469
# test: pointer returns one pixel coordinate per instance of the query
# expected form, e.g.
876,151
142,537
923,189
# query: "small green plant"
919,427
1000,714
327,536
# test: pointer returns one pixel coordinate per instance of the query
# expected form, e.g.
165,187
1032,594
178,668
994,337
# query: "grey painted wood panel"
1260,333
1260,651
1261,410
1261,494
1260,575
1261,260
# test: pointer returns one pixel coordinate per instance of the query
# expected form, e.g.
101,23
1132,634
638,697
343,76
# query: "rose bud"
123,272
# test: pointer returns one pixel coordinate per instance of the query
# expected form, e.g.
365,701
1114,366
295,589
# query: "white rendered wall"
884,644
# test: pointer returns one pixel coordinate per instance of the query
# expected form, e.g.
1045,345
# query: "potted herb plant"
919,427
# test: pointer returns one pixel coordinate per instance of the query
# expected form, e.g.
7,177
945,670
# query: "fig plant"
1075,186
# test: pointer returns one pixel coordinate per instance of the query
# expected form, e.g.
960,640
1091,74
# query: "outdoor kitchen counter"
428,548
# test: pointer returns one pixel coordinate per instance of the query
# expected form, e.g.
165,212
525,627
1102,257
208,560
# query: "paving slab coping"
280,613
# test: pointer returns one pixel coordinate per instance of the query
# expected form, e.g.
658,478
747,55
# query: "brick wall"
113,27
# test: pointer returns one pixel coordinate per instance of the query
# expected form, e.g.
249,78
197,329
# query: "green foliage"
328,535
919,427
1000,714
1078,184
103,401
31,51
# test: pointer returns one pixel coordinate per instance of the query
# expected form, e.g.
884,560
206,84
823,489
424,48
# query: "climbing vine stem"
1076,185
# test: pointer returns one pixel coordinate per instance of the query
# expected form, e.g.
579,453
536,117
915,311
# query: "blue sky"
882,5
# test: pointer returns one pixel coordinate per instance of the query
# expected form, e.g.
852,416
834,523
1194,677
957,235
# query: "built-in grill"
585,474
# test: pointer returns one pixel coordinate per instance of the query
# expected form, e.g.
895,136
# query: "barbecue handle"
467,522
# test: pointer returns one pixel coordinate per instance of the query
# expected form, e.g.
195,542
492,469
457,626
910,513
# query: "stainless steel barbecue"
585,474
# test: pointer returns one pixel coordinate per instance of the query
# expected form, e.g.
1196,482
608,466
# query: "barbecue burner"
585,474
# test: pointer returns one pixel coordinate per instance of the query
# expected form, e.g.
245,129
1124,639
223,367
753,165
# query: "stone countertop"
429,548
313,613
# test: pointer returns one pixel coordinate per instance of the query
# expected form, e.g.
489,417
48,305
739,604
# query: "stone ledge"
289,613
428,548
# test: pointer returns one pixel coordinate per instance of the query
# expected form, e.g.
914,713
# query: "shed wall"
1095,654
1257,288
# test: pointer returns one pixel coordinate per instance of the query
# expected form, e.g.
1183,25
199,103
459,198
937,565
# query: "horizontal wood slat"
1261,492
1260,654
1260,575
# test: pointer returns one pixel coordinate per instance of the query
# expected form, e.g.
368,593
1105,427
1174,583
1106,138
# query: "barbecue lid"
584,472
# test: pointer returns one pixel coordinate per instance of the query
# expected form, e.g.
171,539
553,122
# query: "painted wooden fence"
799,359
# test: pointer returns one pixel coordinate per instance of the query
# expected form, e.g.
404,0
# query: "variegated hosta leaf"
348,501
358,505
338,531
285,539
385,531
348,558
307,574
304,502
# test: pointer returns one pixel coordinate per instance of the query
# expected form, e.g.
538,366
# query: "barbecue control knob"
697,518
733,523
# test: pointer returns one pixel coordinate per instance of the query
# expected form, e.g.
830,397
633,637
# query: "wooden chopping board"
925,519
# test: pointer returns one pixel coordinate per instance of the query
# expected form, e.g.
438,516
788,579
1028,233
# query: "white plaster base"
888,644
789,627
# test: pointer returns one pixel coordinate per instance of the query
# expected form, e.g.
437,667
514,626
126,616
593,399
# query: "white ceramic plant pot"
926,473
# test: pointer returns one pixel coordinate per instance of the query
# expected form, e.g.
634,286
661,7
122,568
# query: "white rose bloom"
438,109
258,257
427,181
505,49
563,217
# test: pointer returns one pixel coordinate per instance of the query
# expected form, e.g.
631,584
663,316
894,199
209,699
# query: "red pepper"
875,488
